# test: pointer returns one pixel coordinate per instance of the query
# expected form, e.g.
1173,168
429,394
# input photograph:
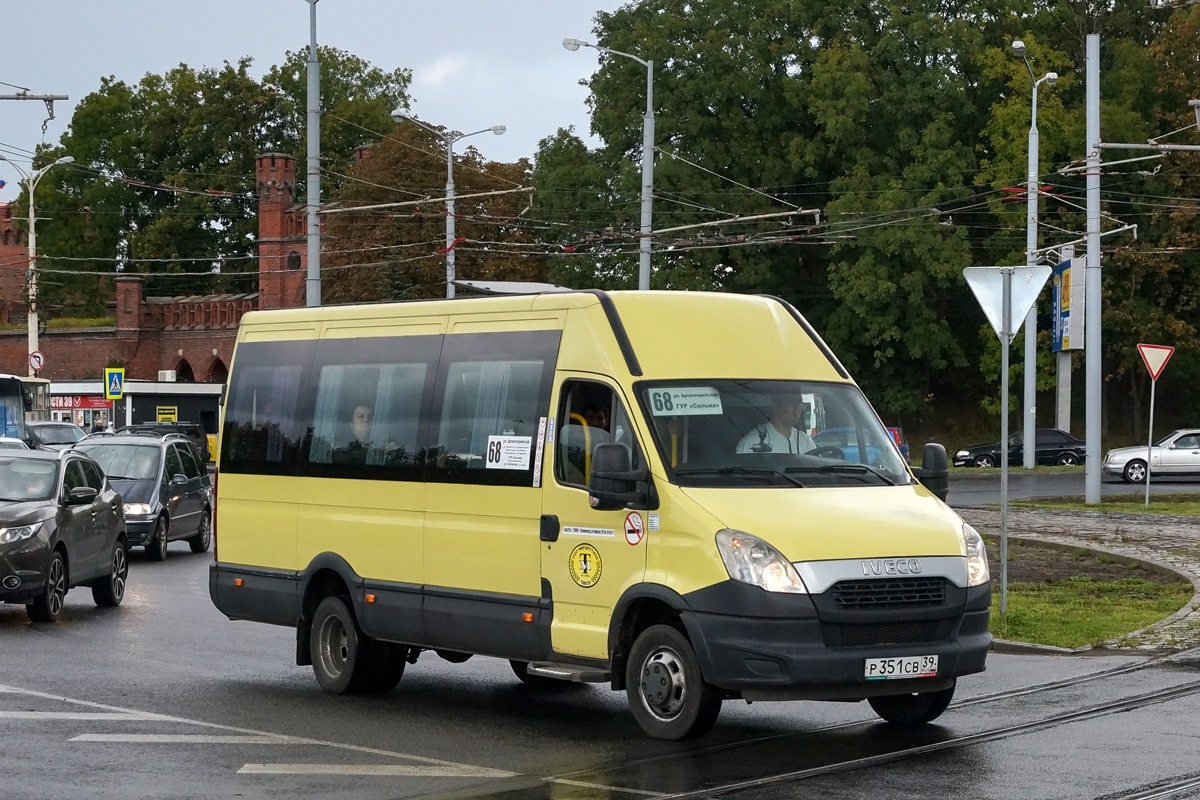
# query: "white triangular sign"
1156,357
987,283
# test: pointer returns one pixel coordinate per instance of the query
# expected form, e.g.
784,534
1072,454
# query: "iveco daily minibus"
623,488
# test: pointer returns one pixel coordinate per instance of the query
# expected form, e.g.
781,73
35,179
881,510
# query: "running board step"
568,672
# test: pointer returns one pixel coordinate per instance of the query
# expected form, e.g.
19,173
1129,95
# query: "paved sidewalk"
1167,541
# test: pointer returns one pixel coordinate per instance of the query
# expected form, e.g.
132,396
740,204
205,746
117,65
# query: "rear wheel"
346,660
47,605
1135,471
912,709
1067,460
156,548
667,694
108,592
203,538
985,461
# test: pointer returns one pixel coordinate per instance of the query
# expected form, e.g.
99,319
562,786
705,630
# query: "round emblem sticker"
634,528
585,566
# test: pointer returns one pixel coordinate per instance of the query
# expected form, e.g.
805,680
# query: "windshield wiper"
746,472
845,468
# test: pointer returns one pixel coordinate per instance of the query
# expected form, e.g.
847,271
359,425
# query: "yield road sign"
114,383
987,283
1156,357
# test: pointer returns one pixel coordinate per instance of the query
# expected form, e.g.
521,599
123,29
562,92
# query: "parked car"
9,443
1177,453
55,435
164,484
61,525
192,430
1052,446
897,435
846,440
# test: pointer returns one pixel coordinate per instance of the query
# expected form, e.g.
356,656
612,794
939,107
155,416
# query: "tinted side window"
187,461
73,475
367,419
1188,442
174,464
92,476
493,391
589,414
263,411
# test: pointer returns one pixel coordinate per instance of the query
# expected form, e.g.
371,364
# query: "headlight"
751,560
961,454
19,534
977,563
137,509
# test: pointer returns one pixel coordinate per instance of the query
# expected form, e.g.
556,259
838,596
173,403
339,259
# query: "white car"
1177,453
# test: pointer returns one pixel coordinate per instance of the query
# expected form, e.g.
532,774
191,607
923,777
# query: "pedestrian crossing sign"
114,383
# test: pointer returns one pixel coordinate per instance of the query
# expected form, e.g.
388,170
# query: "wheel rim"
1137,473
334,647
120,570
205,529
1068,460
663,685
56,591
983,461
162,539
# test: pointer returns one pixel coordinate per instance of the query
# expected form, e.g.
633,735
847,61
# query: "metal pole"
32,318
1094,375
647,181
449,217
312,284
1031,234
1005,340
1150,440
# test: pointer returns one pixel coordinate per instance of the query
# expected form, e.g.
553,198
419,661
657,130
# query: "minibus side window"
261,430
590,414
493,391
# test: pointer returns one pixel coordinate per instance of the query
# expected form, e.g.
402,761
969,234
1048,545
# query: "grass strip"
1180,505
1078,611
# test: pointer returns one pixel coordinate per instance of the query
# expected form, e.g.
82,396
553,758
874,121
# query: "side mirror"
178,480
934,472
613,484
80,495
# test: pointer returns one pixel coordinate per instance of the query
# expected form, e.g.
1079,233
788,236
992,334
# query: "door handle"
549,528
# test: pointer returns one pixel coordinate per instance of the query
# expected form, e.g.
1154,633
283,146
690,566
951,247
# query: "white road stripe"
77,715
367,769
482,772
180,738
603,787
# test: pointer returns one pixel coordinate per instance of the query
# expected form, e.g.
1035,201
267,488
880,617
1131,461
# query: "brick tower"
14,262
282,252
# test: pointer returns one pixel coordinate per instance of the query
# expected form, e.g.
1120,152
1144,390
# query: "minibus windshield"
745,433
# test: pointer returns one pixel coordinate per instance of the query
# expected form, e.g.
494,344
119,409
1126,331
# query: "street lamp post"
1029,438
448,138
31,182
647,157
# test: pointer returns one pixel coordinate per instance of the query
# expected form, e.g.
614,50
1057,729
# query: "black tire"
346,660
985,461
912,709
108,592
1067,460
1135,471
521,670
156,548
667,694
203,538
47,605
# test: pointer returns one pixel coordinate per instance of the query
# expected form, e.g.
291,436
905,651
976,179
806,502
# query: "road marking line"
180,738
365,769
603,787
483,772
76,715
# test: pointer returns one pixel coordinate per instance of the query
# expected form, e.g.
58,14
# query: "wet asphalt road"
977,488
165,698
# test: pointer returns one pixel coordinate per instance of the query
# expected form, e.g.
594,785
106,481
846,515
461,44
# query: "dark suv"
191,430
164,484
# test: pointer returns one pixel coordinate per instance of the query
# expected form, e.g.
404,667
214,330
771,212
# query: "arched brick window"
183,372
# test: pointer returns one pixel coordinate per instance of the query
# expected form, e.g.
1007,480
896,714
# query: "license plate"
888,669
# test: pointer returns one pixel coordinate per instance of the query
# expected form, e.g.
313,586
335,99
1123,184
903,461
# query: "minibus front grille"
889,593
868,634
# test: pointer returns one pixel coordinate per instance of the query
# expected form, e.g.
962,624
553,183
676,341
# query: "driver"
779,434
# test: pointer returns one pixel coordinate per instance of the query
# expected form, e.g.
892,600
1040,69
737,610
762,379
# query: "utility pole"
312,290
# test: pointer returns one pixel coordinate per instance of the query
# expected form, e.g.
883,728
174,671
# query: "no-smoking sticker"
635,529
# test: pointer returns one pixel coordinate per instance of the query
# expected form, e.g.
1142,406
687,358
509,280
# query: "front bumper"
139,531
23,570
807,657
1113,467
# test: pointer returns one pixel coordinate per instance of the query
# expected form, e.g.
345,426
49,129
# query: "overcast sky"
475,63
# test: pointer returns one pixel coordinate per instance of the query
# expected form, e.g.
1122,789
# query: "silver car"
1177,453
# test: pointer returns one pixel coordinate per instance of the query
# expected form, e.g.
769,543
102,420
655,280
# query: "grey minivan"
164,484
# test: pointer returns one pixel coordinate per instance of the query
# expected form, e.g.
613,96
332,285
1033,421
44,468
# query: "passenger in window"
596,416
779,434
362,417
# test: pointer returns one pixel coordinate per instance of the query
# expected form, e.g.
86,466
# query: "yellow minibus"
683,495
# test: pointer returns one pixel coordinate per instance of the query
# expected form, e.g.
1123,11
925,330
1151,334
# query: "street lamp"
647,156
1029,453
448,138
31,182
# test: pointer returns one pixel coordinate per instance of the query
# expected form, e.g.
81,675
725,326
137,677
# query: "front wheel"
912,709
47,605
985,461
667,694
157,547
1134,472
108,592
203,538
